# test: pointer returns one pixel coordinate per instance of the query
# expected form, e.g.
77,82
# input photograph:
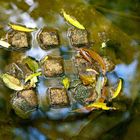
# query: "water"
117,21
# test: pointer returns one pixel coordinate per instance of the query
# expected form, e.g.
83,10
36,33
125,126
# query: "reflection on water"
58,124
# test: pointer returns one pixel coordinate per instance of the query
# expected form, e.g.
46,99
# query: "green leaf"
66,82
12,82
30,77
33,82
32,64
44,59
72,20
21,28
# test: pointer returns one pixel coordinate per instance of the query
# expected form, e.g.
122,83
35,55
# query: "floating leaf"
21,28
32,76
4,44
92,70
93,106
66,82
97,58
100,105
44,59
12,82
118,89
32,64
87,79
33,82
72,20
85,55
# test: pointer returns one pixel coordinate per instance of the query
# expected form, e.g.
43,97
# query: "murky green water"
120,21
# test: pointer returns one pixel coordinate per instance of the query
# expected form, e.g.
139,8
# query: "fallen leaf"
100,105
92,70
12,82
4,44
66,82
72,20
94,106
44,59
87,79
33,82
21,28
32,64
97,58
32,76
85,55
118,89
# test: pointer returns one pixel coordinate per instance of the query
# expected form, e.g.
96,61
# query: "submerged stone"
19,40
78,37
52,66
18,70
24,102
85,94
48,38
58,97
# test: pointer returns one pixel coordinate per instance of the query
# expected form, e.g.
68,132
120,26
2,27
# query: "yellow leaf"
66,82
12,82
87,79
4,44
72,20
94,106
118,89
92,70
21,28
44,59
33,82
32,76
100,105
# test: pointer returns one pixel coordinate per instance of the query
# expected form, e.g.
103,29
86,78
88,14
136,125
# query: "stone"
19,40
85,94
52,66
58,97
24,102
48,38
78,38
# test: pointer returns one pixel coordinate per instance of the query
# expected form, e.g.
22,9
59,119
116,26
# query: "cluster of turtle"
80,79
